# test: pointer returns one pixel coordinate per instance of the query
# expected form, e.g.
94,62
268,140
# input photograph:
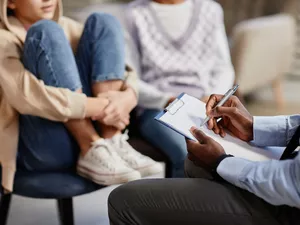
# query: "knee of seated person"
45,28
103,22
120,193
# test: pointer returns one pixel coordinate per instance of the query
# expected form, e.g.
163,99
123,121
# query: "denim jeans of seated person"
171,143
46,145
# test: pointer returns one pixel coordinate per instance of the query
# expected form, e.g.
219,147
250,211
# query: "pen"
228,94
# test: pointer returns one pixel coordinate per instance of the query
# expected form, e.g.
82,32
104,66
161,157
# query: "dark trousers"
190,201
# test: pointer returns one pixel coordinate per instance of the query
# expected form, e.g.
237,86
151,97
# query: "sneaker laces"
109,159
119,139
124,138
126,149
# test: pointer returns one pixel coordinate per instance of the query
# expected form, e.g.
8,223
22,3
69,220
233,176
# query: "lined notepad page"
193,112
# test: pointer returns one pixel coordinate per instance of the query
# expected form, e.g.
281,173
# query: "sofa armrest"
262,50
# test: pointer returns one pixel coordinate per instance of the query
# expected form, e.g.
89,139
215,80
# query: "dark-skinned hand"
205,152
235,118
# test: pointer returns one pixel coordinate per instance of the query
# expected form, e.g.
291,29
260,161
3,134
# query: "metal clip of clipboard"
174,107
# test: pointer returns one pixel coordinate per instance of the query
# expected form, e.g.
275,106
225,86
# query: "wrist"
94,106
251,129
214,172
131,96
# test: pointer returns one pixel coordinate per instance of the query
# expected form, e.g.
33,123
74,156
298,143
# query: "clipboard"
187,111
172,109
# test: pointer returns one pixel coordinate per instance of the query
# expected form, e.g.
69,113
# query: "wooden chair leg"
4,208
65,210
278,94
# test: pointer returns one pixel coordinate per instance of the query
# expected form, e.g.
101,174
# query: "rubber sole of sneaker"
150,170
106,179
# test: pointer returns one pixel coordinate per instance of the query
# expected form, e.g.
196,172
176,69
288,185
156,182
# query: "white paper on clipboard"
188,111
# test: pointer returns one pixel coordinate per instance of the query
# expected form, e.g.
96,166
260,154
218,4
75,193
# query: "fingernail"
193,129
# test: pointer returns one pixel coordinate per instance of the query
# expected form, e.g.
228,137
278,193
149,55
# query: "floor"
91,209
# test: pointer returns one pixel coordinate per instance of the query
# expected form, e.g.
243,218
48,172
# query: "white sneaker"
103,165
133,159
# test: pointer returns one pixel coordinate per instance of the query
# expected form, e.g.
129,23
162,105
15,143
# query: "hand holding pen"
234,117
226,96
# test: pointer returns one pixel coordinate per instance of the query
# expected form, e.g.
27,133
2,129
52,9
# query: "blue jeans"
45,145
171,143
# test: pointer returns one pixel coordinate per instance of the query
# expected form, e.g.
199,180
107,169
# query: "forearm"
277,182
30,96
51,103
130,97
274,131
94,106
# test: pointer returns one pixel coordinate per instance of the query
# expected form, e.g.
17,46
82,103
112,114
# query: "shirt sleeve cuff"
231,168
214,169
269,131
77,105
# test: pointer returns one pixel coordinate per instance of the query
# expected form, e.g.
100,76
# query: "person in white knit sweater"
181,47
